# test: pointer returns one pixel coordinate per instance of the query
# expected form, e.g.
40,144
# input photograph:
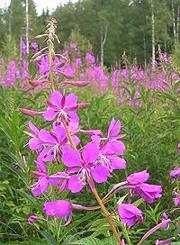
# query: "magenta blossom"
23,48
164,242
90,58
62,107
114,129
176,198
60,180
138,178
108,159
41,186
129,214
175,173
59,209
148,192
80,165
52,142
165,225
32,218
34,143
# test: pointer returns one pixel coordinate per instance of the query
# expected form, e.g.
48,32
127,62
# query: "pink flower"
32,218
165,225
52,142
34,143
62,107
175,173
129,214
108,159
73,46
90,58
80,165
176,198
59,209
23,49
138,178
41,186
148,192
114,129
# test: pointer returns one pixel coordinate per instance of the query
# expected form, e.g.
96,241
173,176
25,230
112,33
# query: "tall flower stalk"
93,163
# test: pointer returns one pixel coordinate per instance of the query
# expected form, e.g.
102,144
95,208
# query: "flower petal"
47,155
50,114
35,144
138,177
60,133
46,136
56,98
71,100
71,157
33,127
116,147
41,186
75,184
114,128
100,174
118,163
90,152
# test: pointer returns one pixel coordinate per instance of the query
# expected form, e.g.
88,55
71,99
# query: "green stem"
107,215
101,204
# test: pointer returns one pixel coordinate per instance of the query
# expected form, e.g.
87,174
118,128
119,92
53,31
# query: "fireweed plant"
83,165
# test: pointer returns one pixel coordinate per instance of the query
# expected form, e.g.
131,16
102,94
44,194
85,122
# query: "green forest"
120,26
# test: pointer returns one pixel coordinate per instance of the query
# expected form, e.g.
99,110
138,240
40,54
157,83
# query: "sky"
40,4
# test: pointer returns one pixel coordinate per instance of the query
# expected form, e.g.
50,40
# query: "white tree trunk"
145,52
103,36
27,26
174,22
153,31
177,26
10,19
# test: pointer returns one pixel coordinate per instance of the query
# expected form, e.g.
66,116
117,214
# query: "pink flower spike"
30,112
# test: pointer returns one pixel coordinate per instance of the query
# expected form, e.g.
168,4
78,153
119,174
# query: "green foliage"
176,55
151,136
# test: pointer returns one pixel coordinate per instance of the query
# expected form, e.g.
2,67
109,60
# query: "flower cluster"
175,176
87,165
95,161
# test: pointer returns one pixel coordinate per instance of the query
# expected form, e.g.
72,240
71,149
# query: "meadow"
89,155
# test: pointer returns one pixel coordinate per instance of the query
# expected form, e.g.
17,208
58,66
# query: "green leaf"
48,237
88,241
